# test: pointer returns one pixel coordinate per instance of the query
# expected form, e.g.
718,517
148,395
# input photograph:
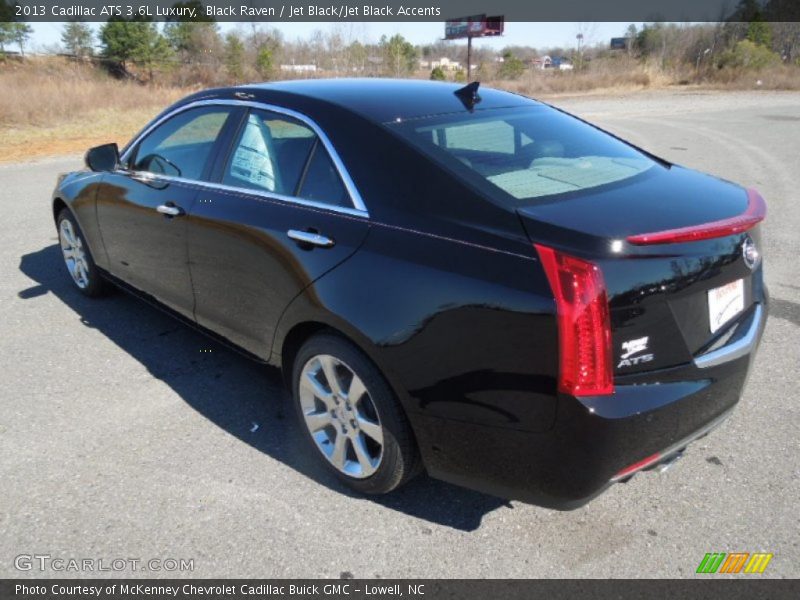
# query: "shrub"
437,74
264,62
512,67
748,55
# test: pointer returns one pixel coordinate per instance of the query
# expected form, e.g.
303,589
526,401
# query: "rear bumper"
668,455
595,441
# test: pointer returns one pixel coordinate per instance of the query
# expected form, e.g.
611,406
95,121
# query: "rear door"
142,207
278,216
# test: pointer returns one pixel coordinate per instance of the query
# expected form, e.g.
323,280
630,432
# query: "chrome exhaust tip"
666,464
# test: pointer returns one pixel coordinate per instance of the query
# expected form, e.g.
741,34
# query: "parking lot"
124,434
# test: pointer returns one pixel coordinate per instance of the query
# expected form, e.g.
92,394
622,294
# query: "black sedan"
454,279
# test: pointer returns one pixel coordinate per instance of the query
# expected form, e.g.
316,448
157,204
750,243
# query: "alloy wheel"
340,416
74,254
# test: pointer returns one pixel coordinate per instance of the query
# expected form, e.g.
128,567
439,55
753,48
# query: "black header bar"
743,588
393,10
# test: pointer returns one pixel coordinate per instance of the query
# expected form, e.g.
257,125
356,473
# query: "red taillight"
755,213
584,326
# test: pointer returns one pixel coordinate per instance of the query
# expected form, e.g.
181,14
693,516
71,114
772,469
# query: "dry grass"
52,106
625,75
621,75
547,83
779,77
42,90
72,136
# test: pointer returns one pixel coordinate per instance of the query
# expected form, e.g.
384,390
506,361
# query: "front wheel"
77,257
351,416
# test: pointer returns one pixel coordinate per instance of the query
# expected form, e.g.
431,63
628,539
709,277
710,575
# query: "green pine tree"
234,56
135,41
78,38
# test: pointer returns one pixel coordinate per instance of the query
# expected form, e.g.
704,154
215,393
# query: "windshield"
527,153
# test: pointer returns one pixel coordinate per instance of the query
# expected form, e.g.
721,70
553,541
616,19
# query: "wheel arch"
294,340
81,206
303,329
58,205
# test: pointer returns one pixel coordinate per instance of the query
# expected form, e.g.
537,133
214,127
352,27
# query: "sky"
538,35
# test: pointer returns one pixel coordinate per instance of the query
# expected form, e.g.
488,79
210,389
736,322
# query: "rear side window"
181,146
526,153
275,153
322,182
254,161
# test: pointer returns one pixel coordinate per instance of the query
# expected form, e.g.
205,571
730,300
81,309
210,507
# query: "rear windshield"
528,153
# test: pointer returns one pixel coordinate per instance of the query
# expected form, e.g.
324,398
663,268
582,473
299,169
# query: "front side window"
526,153
275,153
181,146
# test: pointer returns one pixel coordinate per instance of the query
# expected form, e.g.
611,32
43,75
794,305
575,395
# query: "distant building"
562,64
443,63
546,62
299,68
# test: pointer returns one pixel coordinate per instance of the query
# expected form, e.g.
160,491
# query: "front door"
142,207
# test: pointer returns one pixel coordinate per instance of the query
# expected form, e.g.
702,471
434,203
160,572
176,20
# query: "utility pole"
469,57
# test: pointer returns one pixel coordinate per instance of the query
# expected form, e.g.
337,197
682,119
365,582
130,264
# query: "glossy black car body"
442,287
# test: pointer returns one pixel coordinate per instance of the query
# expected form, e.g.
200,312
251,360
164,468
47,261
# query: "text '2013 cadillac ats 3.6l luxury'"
455,279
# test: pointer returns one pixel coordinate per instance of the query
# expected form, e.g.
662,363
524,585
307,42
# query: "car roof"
384,100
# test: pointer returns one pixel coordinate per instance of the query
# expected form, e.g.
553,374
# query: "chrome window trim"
358,209
147,177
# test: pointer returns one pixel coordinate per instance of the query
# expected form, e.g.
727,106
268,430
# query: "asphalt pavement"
126,435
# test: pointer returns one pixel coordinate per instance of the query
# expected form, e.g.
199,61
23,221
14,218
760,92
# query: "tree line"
198,51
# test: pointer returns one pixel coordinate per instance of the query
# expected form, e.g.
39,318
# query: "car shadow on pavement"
246,399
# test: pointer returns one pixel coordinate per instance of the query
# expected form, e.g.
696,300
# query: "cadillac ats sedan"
453,279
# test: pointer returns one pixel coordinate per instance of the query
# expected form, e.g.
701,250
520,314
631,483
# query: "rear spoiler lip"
755,212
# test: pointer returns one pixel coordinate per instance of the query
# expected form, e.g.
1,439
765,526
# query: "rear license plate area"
724,303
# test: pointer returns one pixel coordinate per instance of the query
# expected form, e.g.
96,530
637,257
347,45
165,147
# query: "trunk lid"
669,302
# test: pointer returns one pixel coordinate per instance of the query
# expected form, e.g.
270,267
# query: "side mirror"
102,158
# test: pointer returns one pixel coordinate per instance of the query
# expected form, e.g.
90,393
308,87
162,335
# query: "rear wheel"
351,417
77,257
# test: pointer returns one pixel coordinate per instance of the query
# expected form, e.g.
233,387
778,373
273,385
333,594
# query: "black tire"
94,285
399,460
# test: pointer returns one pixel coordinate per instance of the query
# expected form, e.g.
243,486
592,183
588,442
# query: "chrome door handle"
306,237
142,176
170,210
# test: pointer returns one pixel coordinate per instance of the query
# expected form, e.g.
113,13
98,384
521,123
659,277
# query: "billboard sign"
474,26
